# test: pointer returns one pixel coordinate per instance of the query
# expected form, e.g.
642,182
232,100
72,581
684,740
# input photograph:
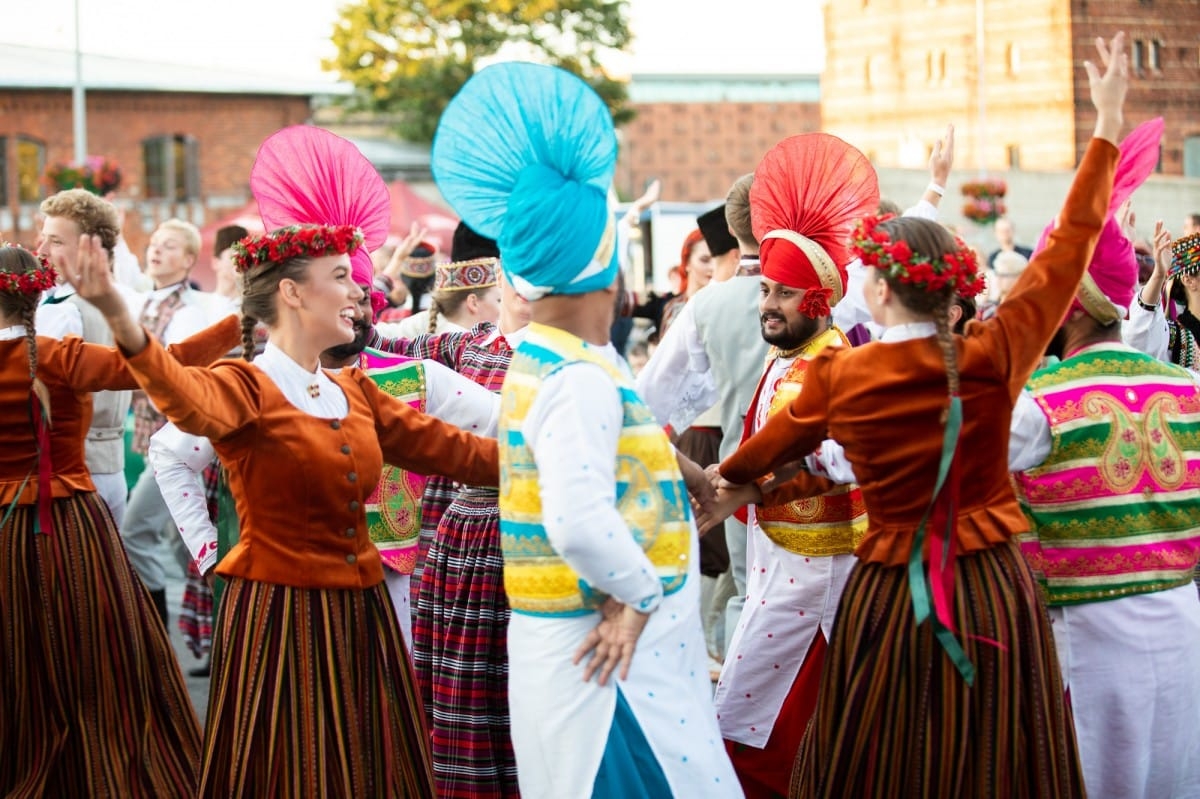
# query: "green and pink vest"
394,507
1115,507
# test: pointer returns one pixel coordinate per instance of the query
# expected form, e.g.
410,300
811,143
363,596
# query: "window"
1191,156
1155,56
1014,156
31,165
1013,60
867,72
941,70
929,66
3,171
172,168
1137,56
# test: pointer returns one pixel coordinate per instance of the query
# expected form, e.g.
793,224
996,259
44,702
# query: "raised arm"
445,348
94,367
1024,323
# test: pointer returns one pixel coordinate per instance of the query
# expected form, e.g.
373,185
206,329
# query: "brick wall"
1172,90
699,149
227,128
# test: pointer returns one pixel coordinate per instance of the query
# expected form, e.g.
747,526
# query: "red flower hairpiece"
815,304
312,241
958,270
36,281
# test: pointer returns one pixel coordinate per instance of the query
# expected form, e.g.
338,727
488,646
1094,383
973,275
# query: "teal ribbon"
919,589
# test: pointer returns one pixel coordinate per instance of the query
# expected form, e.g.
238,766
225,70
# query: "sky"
289,37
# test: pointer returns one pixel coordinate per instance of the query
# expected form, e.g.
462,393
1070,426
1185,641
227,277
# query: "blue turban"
525,154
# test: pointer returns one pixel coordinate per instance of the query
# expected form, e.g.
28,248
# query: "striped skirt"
895,718
460,651
92,702
312,695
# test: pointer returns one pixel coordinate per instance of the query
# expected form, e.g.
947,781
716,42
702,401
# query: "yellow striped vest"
650,492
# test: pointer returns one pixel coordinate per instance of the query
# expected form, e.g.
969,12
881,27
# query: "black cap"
469,245
715,230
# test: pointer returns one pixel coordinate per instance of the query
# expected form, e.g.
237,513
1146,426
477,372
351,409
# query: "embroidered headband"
295,241
33,282
1187,256
478,273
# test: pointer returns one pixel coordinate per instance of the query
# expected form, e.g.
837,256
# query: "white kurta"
789,599
560,724
1129,666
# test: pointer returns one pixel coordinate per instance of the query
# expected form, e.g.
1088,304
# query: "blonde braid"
434,309
945,340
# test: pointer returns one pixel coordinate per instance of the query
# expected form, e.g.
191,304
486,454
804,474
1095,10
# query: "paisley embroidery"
1137,445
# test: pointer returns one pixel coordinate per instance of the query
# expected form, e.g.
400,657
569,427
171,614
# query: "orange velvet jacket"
883,401
301,482
72,369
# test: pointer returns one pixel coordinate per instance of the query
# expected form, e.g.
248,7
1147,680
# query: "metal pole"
981,88
78,103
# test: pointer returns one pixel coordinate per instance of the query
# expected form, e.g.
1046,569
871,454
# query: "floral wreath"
41,279
958,270
312,241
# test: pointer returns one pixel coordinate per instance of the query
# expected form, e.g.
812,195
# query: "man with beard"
393,509
807,193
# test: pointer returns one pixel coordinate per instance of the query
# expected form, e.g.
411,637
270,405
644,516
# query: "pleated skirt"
312,695
895,718
460,651
92,701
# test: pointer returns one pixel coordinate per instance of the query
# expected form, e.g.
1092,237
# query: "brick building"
898,70
699,133
184,137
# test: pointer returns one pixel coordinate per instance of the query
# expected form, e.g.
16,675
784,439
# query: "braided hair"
16,260
933,240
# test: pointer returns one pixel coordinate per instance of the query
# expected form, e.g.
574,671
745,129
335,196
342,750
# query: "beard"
351,349
793,334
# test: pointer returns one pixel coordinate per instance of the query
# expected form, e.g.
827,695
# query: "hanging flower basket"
98,174
984,200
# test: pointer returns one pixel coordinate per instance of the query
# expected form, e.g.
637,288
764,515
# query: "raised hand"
941,160
612,641
92,279
1108,88
1152,291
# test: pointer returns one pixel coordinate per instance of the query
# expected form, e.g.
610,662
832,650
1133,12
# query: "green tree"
409,57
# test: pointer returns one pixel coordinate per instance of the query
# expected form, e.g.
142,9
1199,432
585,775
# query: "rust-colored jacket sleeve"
212,403
425,445
93,367
792,433
1017,336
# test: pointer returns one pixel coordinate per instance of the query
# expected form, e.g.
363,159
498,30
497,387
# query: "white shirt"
193,315
179,458
572,428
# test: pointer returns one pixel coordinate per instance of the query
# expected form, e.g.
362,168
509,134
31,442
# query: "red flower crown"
41,279
312,241
959,270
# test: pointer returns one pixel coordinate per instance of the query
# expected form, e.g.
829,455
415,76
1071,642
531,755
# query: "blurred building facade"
699,133
1008,73
184,138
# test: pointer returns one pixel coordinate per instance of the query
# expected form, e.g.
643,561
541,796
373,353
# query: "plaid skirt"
312,695
460,651
895,718
195,615
92,702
